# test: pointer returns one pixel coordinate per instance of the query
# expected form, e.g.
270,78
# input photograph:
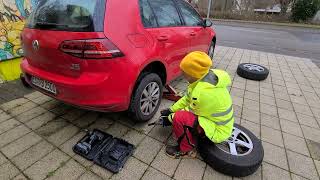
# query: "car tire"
252,71
145,84
239,165
211,49
24,82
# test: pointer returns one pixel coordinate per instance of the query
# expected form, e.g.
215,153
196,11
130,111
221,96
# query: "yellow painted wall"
10,70
13,14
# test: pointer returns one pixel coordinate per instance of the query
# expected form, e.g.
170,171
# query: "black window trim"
178,11
181,15
153,14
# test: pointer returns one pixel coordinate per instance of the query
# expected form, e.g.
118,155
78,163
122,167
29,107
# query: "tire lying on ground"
239,156
252,71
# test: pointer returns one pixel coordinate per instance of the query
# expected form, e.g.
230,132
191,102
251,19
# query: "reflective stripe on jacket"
209,99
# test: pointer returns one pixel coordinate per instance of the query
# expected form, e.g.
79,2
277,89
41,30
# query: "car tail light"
91,49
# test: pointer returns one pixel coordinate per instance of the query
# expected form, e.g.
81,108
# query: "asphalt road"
301,42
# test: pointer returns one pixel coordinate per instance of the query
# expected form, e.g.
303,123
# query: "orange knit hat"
196,64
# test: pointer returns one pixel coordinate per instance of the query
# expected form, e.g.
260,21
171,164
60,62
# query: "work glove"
164,121
165,112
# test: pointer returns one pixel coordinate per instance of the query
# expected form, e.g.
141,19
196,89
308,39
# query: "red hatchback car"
111,55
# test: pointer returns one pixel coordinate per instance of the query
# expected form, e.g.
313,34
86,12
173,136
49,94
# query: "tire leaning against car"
232,165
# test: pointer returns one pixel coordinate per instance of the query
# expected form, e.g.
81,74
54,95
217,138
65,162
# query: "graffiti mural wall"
13,14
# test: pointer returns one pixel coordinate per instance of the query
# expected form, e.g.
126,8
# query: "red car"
111,55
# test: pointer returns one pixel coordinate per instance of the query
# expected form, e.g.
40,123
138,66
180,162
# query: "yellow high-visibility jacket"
209,99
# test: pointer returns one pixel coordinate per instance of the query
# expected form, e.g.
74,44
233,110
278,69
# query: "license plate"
43,84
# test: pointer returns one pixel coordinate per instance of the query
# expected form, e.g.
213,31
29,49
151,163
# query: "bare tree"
262,4
284,5
236,5
246,5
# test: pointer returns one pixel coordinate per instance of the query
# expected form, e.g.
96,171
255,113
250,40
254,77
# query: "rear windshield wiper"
46,24
62,26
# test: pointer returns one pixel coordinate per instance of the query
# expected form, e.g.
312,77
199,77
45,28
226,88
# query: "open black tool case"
104,149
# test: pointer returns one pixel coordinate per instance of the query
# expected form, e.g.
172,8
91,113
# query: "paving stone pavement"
37,132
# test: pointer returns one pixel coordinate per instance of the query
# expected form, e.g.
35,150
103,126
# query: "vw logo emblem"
36,45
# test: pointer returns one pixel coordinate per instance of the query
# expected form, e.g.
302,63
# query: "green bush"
302,10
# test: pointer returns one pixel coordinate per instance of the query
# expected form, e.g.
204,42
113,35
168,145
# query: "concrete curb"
269,23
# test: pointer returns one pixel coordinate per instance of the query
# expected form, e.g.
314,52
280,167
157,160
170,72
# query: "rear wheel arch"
156,71
156,67
214,39
212,47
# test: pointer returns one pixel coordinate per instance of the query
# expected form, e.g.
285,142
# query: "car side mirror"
207,23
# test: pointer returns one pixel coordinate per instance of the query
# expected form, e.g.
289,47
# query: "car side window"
147,15
190,15
166,13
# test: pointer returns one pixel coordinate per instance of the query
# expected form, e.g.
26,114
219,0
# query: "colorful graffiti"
13,14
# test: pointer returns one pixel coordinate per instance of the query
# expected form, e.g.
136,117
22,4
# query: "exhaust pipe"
24,82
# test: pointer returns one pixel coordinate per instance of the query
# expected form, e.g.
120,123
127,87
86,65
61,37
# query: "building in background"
13,14
274,9
238,6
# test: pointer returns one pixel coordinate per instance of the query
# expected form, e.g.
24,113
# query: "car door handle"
163,38
192,34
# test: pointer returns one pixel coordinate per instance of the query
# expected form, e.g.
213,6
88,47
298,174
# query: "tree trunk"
283,10
284,6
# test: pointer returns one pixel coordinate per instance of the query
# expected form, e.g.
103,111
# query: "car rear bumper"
93,91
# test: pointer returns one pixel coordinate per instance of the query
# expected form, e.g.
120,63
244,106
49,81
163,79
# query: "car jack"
171,94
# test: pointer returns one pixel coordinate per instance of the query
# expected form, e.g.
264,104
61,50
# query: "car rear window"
68,15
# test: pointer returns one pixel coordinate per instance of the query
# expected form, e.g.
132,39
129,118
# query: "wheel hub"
254,67
239,144
149,98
